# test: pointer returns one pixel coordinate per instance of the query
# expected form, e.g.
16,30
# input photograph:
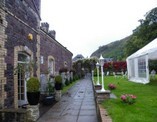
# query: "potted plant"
49,97
33,92
58,87
58,82
49,88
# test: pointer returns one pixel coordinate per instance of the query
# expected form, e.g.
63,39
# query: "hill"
113,50
142,35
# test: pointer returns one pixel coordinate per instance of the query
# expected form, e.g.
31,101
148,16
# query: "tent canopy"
150,49
137,63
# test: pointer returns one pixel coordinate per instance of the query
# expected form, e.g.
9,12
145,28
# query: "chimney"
52,33
45,26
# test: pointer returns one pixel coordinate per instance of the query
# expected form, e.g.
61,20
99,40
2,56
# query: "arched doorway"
23,76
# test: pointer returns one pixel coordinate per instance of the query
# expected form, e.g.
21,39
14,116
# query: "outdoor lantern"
97,66
101,61
30,36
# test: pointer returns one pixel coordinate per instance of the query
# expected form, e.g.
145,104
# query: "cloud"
84,25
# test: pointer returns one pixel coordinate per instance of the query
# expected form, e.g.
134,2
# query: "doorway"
23,76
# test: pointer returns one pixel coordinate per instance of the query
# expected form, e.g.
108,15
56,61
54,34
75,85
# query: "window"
51,66
132,68
65,64
142,67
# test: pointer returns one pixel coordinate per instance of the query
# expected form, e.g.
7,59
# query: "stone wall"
3,51
50,47
26,10
22,17
18,19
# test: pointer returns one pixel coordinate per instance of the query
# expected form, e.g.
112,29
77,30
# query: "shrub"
33,85
67,82
112,86
58,82
128,98
58,79
71,80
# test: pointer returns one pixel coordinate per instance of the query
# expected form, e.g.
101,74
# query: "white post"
92,75
102,74
97,65
102,79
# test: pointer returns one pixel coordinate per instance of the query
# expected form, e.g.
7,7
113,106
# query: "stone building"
55,56
22,41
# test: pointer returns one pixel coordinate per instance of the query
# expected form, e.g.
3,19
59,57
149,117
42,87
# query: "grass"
66,88
143,110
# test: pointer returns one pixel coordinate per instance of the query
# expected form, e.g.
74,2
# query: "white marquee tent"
137,63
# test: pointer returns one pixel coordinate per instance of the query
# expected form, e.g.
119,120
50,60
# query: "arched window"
51,66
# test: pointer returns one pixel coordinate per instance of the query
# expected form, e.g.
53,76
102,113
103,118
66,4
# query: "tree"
143,34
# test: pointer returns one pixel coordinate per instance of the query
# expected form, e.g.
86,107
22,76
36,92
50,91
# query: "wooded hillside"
142,35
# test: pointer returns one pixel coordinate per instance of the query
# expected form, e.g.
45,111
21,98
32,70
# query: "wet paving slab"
77,105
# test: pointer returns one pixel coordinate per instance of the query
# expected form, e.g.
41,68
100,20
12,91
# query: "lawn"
143,110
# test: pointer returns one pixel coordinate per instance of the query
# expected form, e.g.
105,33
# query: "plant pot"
49,100
58,86
33,98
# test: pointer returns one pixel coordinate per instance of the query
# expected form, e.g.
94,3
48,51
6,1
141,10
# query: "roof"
150,49
78,57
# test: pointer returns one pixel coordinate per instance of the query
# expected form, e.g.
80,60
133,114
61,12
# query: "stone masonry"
3,51
55,50
23,19
18,20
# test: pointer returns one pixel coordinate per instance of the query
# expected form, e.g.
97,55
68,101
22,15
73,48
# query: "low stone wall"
104,117
97,87
13,115
96,104
99,97
102,95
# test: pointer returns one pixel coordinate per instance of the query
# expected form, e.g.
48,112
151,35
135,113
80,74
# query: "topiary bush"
58,79
33,85
58,82
33,92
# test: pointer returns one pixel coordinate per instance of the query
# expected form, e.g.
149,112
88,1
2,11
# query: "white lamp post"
97,66
102,74
92,75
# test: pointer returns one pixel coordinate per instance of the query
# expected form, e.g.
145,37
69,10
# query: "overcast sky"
84,25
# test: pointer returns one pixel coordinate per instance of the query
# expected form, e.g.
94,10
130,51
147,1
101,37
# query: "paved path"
77,105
